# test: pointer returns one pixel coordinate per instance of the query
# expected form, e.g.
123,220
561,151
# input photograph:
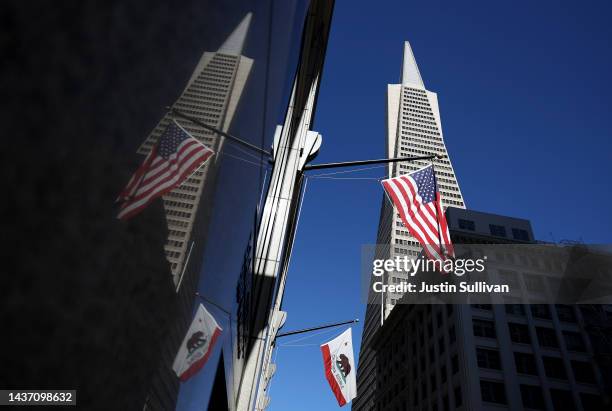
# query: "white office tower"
211,95
413,129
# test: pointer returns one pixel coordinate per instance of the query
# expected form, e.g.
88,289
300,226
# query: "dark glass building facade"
100,305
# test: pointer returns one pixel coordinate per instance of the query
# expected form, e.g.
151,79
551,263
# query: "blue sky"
524,89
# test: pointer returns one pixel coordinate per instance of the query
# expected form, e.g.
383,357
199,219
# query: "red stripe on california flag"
197,366
330,376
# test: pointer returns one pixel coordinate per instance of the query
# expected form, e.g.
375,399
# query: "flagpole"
442,248
197,294
178,286
235,139
366,162
305,330
229,316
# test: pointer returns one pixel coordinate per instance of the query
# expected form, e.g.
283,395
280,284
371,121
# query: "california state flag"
197,344
340,367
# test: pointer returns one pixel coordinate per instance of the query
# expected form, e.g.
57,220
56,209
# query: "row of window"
205,98
519,333
209,92
212,81
413,96
419,118
204,107
420,113
419,130
496,230
425,109
417,164
532,396
525,363
183,196
202,115
418,124
436,142
565,312
425,103
439,150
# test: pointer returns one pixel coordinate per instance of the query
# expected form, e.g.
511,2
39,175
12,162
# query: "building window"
455,364
515,309
458,397
449,310
520,234
519,333
492,391
525,363
497,230
583,372
467,225
443,374
591,401
540,311
452,336
547,337
574,341
533,283
487,307
562,400
554,367
566,313
488,358
484,328
532,397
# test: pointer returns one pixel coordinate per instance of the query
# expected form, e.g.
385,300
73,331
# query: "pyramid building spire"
410,71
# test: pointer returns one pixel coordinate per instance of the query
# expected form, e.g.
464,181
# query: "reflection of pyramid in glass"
211,95
234,44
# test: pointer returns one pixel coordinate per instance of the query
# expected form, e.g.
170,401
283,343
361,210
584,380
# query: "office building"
414,128
100,305
489,356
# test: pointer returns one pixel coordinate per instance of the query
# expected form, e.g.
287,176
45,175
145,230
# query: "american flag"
171,161
417,200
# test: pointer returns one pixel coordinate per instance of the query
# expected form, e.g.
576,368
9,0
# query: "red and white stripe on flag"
171,161
425,220
340,367
197,344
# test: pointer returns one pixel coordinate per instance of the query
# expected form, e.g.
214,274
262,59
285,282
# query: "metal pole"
366,162
214,303
216,130
305,330
442,247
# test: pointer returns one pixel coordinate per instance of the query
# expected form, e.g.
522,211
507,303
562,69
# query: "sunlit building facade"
414,128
